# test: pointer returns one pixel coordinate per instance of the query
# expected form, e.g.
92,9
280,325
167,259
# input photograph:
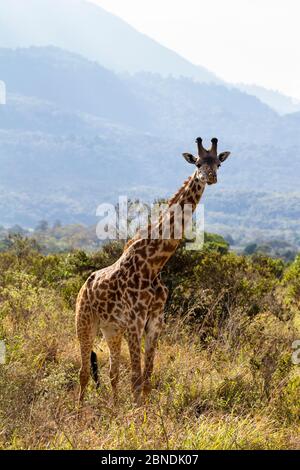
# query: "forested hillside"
93,33
67,144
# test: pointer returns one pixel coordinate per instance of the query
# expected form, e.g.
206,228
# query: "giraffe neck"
156,252
190,193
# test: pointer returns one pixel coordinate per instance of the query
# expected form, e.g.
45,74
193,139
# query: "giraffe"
128,297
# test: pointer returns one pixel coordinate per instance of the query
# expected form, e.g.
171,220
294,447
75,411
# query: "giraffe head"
207,161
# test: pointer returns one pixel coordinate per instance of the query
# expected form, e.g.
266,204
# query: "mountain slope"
185,108
61,156
71,82
92,32
281,103
146,102
65,87
102,37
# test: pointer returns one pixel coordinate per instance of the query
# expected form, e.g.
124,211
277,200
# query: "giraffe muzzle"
212,179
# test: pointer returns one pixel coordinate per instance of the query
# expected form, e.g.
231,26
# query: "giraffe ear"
189,157
223,156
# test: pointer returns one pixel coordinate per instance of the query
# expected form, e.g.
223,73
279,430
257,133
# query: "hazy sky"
251,41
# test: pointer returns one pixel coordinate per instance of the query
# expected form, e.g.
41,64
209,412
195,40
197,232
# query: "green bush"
291,281
223,374
210,286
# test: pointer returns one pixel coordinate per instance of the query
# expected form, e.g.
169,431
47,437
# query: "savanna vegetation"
224,375
62,238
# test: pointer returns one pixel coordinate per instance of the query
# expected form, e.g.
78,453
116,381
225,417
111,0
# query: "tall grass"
228,384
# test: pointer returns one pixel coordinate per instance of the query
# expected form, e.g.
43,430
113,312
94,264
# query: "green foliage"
290,399
211,285
292,282
275,248
223,376
215,242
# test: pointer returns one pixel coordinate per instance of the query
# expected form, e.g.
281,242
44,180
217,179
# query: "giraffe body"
128,297
123,299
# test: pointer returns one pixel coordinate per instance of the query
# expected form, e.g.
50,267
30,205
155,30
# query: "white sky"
250,41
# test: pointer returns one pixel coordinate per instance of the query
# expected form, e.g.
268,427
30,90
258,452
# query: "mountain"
66,79
62,154
86,29
183,107
108,40
293,121
145,101
279,102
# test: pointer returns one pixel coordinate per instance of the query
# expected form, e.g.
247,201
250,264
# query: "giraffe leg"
114,343
134,344
84,373
86,333
152,331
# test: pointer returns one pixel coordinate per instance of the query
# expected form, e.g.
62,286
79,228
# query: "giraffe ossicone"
128,297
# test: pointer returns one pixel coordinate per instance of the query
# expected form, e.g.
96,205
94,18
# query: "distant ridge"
84,28
281,103
68,142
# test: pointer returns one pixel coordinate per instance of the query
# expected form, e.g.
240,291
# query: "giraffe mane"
171,201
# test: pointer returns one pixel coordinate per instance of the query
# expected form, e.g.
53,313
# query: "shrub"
291,281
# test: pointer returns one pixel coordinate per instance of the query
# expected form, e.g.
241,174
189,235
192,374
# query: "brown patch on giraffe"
158,260
168,245
112,296
146,273
145,296
91,278
145,284
102,295
110,307
138,261
136,279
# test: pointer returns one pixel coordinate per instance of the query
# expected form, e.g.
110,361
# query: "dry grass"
217,397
